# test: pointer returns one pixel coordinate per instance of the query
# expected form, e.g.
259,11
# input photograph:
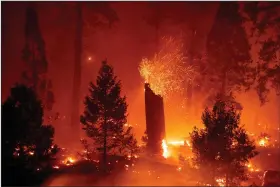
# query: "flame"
188,143
164,146
179,143
263,142
179,169
221,181
251,168
176,143
69,161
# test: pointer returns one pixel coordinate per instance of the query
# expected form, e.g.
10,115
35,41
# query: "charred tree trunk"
155,122
75,116
105,146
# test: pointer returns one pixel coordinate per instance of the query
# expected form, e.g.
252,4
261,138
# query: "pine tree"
27,144
156,17
34,57
222,148
105,115
229,67
97,8
265,19
145,138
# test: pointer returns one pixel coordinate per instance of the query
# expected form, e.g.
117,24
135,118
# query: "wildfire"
221,182
176,143
164,146
263,142
251,168
69,161
166,71
166,151
179,143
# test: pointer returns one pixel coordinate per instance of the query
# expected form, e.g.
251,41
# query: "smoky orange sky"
124,45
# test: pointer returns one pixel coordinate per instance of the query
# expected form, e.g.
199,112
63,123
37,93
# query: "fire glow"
164,145
220,181
263,142
69,161
165,153
166,71
251,168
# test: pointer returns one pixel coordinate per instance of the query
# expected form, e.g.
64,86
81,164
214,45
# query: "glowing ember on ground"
31,153
251,168
220,181
69,161
167,71
164,146
56,167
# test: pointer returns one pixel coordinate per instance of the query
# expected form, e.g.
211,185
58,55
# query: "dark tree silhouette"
27,144
96,8
88,151
145,138
105,115
229,62
222,148
265,19
156,16
34,57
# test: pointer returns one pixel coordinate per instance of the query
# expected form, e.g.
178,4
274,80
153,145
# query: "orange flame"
263,142
164,146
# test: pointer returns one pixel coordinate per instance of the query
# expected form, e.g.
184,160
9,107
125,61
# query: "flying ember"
167,71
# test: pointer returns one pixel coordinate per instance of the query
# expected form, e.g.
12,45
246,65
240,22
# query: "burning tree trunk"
155,123
75,117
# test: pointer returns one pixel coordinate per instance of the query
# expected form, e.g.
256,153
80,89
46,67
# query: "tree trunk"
75,115
105,145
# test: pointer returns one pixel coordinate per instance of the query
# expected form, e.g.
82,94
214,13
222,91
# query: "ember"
263,142
69,161
166,72
220,181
